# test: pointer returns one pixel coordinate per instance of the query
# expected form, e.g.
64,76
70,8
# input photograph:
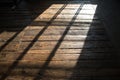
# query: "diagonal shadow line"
3,77
44,67
14,36
8,41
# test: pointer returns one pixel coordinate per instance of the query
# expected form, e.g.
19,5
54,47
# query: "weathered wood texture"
55,40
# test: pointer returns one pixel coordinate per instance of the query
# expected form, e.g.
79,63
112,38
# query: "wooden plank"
87,64
57,57
64,15
81,27
61,32
79,32
46,78
73,51
12,46
65,45
5,36
63,23
62,73
67,38
19,77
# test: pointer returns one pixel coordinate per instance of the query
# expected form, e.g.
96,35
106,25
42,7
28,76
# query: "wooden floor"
55,40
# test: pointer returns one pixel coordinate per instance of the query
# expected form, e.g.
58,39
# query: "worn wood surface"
55,40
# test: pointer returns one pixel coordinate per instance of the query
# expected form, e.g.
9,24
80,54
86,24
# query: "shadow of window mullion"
15,63
10,40
45,65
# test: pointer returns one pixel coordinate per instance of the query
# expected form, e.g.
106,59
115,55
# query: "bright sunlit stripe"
86,15
49,13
